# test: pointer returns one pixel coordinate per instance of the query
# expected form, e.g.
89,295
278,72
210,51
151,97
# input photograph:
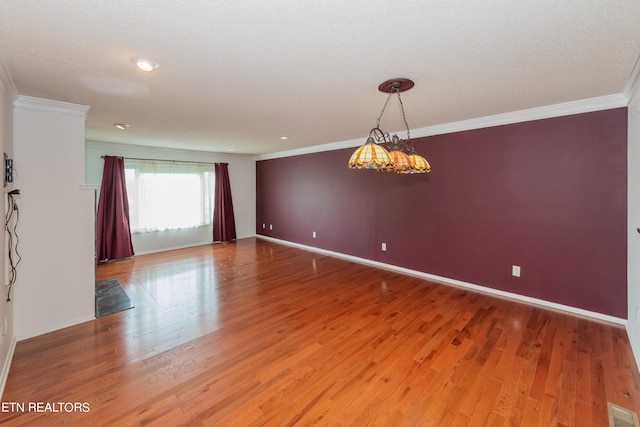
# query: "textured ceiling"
237,75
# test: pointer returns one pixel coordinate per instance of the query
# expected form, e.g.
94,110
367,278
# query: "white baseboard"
459,283
7,363
34,333
7,366
173,248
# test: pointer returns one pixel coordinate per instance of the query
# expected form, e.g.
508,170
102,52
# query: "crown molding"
41,104
163,153
313,149
557,110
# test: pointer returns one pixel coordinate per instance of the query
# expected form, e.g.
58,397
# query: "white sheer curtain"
166,195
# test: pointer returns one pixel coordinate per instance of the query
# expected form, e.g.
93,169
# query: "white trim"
458,283
7,366
632,89
174,248
51,328
41,104
567,108
314,149
550,111
163,153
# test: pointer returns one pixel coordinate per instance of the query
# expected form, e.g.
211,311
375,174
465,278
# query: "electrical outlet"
314,234
264,225
515,270
270,226
384,247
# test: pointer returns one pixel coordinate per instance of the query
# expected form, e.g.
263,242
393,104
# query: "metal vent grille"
621,417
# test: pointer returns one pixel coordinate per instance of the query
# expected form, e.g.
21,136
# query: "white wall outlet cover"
515,270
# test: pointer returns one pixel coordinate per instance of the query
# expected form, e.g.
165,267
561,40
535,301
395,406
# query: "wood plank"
254,333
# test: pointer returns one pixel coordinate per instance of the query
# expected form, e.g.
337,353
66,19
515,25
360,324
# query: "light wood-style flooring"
254,333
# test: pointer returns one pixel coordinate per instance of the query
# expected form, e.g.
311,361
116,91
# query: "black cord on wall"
13,254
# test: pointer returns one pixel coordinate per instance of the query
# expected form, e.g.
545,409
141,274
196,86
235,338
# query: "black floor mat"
110,298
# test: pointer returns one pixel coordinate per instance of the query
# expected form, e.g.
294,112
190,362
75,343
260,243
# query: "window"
166,195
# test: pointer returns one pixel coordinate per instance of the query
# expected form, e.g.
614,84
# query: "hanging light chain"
384,107
404,118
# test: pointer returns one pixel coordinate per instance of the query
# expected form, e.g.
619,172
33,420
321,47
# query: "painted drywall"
633,240
546,195
241,175
7,338
56,277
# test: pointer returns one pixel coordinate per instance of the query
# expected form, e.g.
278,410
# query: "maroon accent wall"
548,195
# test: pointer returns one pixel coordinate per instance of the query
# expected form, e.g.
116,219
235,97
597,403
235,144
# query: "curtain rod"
161,160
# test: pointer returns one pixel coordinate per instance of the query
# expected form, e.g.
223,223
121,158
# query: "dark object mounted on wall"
11,219
8,169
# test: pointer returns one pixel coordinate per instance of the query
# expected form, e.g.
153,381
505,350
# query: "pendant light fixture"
386,153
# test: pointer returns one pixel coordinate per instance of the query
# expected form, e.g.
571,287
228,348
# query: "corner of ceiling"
6,79
632,83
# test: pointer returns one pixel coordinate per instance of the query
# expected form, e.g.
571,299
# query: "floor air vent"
621,417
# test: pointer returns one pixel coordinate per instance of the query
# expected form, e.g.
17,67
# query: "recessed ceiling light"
121,126
146,64
284,138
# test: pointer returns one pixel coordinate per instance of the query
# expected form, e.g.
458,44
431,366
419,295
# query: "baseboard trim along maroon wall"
549,196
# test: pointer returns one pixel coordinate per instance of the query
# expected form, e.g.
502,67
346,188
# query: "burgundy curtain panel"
224,224
113,234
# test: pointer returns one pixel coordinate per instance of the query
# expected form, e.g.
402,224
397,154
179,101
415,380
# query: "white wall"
56,278
242,174
633,223
7,338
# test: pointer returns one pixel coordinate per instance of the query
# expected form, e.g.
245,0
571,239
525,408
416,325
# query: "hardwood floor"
255,333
